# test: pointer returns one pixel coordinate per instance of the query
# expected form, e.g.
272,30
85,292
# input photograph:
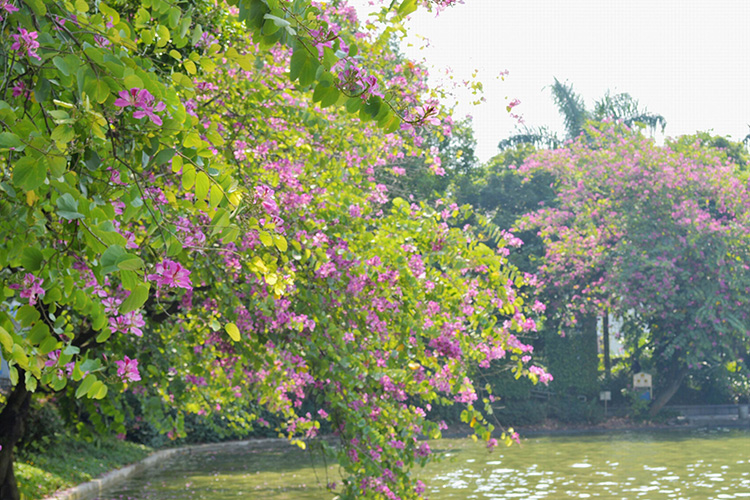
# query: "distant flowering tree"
191,212
659,232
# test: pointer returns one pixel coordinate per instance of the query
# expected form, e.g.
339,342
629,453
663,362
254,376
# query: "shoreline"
611,425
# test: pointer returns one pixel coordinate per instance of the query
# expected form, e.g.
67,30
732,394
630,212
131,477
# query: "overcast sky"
686,60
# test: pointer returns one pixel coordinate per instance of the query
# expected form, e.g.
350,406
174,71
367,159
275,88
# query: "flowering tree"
658,233
191,213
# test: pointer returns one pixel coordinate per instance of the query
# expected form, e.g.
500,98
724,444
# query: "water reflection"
653,466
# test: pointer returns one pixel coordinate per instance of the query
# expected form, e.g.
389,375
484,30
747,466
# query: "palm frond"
571,106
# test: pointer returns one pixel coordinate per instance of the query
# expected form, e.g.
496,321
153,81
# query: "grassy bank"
70,461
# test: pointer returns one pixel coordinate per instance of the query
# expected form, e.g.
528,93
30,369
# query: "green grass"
70,461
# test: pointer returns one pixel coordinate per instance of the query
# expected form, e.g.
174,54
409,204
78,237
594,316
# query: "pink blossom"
127,370
25,41
31,288
143,101
53,358
171,274
7,7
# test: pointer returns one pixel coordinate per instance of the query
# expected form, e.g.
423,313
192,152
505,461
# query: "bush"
513,413
43,428
572,410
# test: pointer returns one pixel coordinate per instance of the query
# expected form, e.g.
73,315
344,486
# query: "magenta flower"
171,274
52,358
25,41
148,111
19,89
128,323
128,98
127,370
31,288
7,7
143,101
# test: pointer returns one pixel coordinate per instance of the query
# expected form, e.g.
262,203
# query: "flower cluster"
31,288
7,6
127,370
171,274
25,41
143,102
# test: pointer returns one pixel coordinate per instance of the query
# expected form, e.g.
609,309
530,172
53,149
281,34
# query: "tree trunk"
668,392
605,336
12,419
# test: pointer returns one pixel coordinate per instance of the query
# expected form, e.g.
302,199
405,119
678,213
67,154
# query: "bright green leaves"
6,340
115,258
266,238
91,387
232,331
202,185
29,173
326,93
406,8
67,207
31,259
136,299
110,257
9,140
303,65
274,23
253,13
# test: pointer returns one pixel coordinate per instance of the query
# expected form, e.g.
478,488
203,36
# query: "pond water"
698,465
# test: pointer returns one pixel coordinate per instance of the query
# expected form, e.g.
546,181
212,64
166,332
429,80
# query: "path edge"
95,487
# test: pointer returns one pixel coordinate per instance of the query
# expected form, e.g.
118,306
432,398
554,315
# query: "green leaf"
216,197
31,260
38,332
321,89
129,263
29,173
104,335
83,389
296,63
49,345
57,165
18,355
110,258
64,66
330,98
30,382
193,140
9,140
174,17
188,177
98,390
26,315
201,185
163,157
63,133
136,299
407,7
266,238
281,243
233,331
67,207
6,340
38,7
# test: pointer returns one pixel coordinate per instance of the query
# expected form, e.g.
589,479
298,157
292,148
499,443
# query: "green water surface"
698,465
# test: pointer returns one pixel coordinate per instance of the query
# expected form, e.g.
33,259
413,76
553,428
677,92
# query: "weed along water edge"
695,465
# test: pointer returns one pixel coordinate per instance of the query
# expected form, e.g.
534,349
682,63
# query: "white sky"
687,60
